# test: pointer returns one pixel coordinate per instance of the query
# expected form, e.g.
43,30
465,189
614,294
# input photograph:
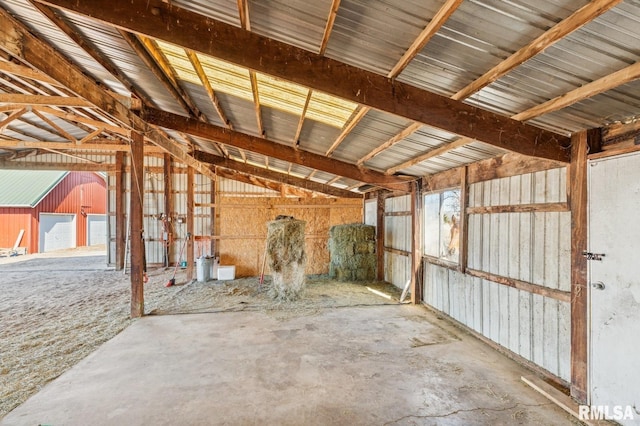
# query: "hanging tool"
264,264
172,281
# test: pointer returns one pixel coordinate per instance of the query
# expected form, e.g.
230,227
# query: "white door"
57,231
614,290
96,229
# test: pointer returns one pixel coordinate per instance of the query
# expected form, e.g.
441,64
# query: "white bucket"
226,272
203,269
215,261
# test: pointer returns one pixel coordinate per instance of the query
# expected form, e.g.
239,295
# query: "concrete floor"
382,365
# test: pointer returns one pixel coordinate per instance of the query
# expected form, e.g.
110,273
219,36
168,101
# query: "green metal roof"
26,188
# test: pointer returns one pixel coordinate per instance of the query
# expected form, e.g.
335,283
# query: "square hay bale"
353,252
287,258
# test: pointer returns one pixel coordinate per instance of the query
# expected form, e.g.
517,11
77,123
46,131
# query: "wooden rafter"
429,31
76,157
57,128
13,116
96,144
22,99
351,123
271,149
19,42
160,20
582,16
274,176
611,81
388,144
74,34
197,67
430,154
296,138
243,12
334,180
26,72
282,188
84,120
333,12
91,135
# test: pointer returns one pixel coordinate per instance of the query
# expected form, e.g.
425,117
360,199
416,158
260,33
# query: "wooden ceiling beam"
62,132
272,149
22,99
197,67
157,19
438,20
18,41
13,116
351,123
96,144
46,165
296,138
26,72
281,188
274,176
388,144
328,28
579,18
430,154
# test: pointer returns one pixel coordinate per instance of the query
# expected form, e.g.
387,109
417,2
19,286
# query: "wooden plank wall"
530,247
397,240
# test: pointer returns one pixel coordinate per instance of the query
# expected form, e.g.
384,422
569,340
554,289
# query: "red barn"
56,210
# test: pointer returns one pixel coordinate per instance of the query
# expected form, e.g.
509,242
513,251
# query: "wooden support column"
214,220
464,220
380,234
579,303
137,224
120,213
416,246
190,222
168,203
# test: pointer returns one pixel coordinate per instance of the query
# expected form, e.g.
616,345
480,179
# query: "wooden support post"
380,234
579,303
137,224
168,203
120,213
213,217
190,222
416,246
464,220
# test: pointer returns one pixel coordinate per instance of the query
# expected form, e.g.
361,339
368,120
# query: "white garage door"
57,231
96,229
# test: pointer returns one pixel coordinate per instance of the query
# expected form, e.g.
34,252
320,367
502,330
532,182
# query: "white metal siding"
397,235
531,247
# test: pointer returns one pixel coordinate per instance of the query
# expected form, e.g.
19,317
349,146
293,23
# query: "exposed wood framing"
429,154
103,145
230,164
463,234
168,205
520,208
553,293
46,165
180,26
577,197
582,16
416,254
382,196
296,138
190,222
272,149
333,12
22,99
57,128
256,103
441,16
197,66
136,223
509,165
121,184
351,123
283,189
13,116
388,144
444,180
26,72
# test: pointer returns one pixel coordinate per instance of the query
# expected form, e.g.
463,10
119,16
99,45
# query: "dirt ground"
56,308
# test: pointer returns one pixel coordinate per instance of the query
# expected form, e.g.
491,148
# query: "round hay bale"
287,258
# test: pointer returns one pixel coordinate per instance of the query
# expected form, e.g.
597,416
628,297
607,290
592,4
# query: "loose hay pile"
353,252
287,258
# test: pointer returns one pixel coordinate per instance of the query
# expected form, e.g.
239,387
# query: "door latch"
592,256
598,285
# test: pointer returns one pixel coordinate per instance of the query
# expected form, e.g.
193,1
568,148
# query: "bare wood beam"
243,12
197,66
21,99
582,16
416,253
85,44
334,180
274,176
26,72
296,138
441,16
190,222
104,145
59,129
136,223
14,116
18,41
282,188
77,157
47,165
611,81
168,204
271,149
351,123
328,28
84,120
256,103
388,144
160,20
91,135
430,154
119,206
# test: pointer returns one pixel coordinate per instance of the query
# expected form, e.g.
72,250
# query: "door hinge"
593,256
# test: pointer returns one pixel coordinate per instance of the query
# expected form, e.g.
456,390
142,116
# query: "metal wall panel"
531,247
398,235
